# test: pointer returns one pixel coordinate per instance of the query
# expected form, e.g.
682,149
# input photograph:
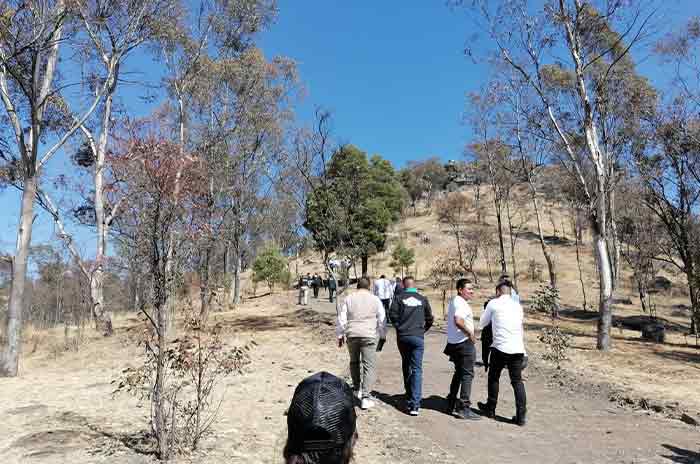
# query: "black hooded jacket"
410,313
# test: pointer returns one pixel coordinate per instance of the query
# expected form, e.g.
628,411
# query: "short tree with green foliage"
352,210
270,267
402,258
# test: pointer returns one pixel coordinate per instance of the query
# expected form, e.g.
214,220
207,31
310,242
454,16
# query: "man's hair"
406,280
504,284
363,283
382,276
461,283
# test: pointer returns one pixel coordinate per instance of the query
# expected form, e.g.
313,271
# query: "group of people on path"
362,324
315,283
321,420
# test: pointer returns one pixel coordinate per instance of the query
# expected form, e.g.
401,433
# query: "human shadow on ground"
680,455
431,403
260,323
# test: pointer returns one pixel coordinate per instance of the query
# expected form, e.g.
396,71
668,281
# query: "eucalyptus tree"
210,35
575,56
37,123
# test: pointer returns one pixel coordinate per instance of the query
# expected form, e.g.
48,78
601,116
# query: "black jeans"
315,291
331,293
463,356
514,363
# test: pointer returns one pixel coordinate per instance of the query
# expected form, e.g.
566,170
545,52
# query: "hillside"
663,375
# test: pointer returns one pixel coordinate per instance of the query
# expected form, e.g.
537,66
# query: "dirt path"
61,408
564,427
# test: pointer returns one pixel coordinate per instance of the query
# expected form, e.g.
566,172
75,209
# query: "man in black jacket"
410,313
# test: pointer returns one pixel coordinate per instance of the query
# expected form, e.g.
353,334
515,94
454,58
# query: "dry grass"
665,373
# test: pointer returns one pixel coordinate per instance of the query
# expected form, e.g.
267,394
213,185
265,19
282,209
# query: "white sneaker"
367,403
358,394
414,412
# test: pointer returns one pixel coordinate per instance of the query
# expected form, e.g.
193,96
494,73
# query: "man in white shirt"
507,349
460,348
361,322
384,291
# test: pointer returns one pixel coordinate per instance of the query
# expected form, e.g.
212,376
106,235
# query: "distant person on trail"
383,289
507,350
410,313
332,286
461,349
304,290
361,323
315,285
321,422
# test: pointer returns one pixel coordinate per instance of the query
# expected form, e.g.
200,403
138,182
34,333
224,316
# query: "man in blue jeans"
410,313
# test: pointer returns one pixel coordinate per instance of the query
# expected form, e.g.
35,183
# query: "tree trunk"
546,250
577,237
694,301
9,364
103,317
513,238
204,290
365,261
606,290
237,280
504,267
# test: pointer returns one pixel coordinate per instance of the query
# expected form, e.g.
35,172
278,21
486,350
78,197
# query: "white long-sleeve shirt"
361,315
506,319
383,289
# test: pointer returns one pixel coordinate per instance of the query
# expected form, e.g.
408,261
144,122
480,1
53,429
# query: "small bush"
193,365
271,267
557,344
546,300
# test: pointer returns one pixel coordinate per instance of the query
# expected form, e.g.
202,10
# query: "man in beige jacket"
361,323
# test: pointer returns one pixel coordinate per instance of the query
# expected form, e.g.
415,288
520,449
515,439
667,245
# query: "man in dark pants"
332,285
410,313
460,348
507,350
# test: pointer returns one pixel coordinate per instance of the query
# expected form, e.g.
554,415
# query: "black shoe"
520,419
486,410
451,405
466,413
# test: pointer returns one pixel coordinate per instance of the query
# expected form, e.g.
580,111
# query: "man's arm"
341,323
381,320
394,312
428,315
462,325
485,317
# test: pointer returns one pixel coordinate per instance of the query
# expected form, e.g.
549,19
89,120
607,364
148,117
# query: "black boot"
520,418
488,410
451,405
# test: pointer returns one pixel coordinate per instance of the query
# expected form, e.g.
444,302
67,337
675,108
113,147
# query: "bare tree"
31,38
454,211
579,98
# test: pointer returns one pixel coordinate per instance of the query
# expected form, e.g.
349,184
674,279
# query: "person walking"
332,286
412,316
361,323
315,285
383,290
461,350
507,350
304,290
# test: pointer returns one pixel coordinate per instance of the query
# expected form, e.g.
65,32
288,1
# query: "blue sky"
393,73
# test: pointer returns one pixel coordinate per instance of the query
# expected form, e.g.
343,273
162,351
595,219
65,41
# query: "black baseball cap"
321,415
